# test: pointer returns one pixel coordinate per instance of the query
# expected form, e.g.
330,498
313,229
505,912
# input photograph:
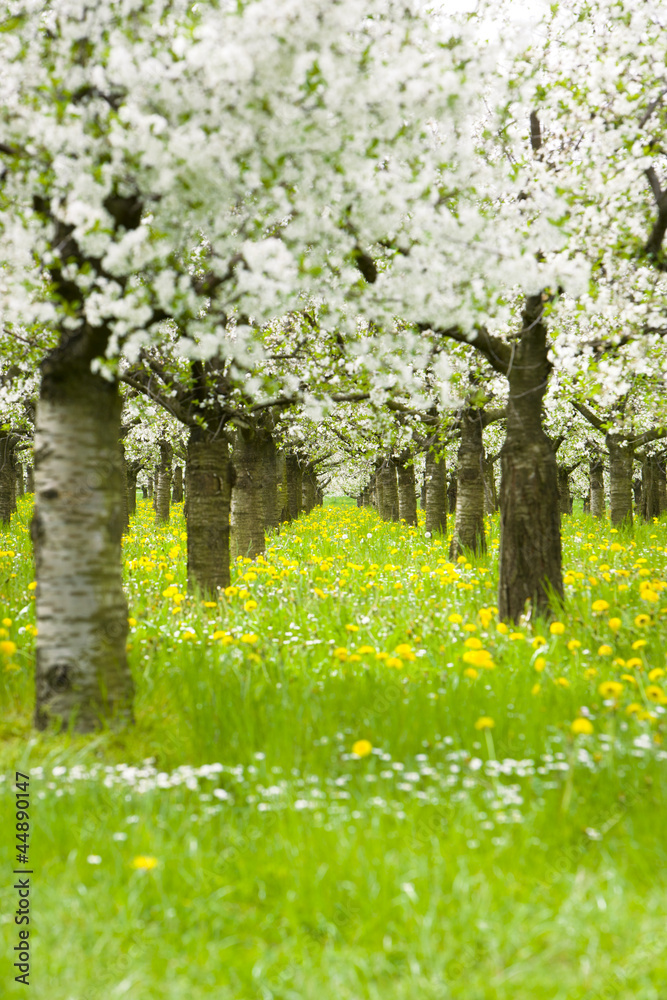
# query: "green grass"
519,861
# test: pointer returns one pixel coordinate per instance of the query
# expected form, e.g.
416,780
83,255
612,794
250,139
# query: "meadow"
348,779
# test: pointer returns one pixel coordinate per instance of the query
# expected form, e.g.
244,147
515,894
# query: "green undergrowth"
496,832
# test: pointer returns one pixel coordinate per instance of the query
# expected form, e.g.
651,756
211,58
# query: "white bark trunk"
82,676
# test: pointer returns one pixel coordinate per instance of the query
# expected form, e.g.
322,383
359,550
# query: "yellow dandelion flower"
540,664
365,650
455,619
249,638
573,645
473,643
614,624
634,708
362,748
655,693
581,726
599,606
7,647
610,689
484,722
654,674
563,682
536,688
642,620
250,605
394,661
556,628
605,650
144,863
590,672
471,673
634,661
6,622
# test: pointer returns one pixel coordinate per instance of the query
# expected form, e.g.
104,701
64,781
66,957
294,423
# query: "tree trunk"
436,494
490,488
209,478
530,544
662,481
163,479
177,485
469,523
452,487
294,485
133,467
124,500
407,496
248,495
272,507
389,490
620,481
596,477
81,675
422,492
20,488
30,479
650,488
151,488
564,494
7,445
281,492
309,488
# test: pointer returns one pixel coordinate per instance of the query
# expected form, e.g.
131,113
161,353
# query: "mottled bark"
269,468
564,493
309,488
650,488
407,495
177,485
209,478
452,488
248,495
30,479
469,521
294,485
490,488
81,675
389,489
620,481
7,445
596,479
530,545
133,468
662,482
281,492
124,501
163,479
436,494
20,487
